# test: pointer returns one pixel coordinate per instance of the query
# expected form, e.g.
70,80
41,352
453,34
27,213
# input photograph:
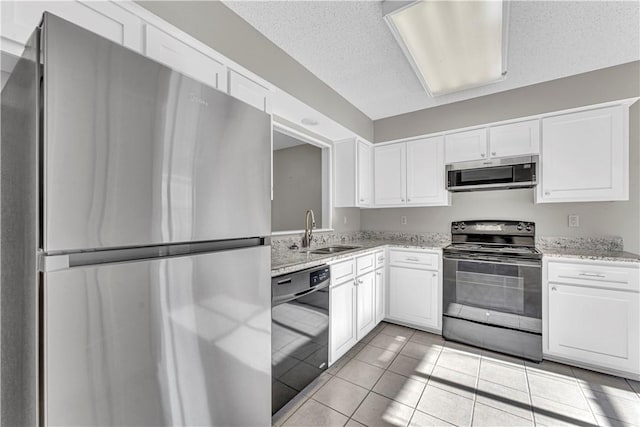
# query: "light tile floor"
398,376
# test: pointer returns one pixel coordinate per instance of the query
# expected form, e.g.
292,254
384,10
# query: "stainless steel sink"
333,250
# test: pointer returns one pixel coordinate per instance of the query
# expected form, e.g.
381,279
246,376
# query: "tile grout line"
533,414
475,393
426,384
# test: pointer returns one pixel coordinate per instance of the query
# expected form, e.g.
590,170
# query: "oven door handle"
491,260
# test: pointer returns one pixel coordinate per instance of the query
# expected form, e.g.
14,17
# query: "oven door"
494,290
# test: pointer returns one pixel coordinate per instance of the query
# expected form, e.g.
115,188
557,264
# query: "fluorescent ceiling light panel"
451,45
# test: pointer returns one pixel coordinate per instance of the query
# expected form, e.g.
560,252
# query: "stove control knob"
455,226
520,226
462,226
529,226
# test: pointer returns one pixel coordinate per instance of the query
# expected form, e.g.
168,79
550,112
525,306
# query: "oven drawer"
427,261
594,275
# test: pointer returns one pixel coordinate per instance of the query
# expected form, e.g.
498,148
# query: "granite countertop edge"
289,261
295,260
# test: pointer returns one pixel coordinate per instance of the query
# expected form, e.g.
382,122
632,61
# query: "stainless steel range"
492,288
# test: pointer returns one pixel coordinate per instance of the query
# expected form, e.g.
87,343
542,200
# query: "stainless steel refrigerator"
135,253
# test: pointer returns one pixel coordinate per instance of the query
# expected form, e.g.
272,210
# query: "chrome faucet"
308,229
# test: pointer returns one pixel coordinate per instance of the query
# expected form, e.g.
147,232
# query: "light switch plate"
574,221
403,220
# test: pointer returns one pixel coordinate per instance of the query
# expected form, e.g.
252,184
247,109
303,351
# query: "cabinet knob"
493,153
546,193
482,155
402,200
362,200
378,273
553,288
408,200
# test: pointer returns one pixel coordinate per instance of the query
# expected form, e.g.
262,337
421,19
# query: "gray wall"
297,186
596,219
607,84
216,25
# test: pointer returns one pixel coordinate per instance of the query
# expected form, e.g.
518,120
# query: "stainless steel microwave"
494,174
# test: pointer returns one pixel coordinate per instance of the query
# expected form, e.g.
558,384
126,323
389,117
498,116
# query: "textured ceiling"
348,46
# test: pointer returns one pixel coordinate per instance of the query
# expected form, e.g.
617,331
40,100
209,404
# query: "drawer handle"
412,258
359,281
553,288
592,275
380,258
378,273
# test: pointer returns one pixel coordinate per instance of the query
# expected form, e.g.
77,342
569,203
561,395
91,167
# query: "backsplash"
603,244
321,239
332,238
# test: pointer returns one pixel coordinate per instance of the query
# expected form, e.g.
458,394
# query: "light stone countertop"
591,255
285,261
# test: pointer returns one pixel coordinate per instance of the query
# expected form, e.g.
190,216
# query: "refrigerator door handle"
49,263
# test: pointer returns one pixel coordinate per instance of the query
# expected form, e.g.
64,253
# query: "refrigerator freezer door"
137,154
172,341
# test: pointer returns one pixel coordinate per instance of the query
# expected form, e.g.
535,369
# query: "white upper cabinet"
20,18
410,173
515,139
352,173
426,172
466,146
364,174
249,91
390,165
585,156
186,59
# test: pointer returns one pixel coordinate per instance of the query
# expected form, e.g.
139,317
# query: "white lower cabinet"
355,301
381,288
593,315
414,289
342,323
365,304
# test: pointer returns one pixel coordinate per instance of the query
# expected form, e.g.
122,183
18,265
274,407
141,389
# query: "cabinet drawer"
380,259
365,263
343,271
594,275
423,260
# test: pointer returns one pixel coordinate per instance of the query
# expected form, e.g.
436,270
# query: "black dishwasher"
299,331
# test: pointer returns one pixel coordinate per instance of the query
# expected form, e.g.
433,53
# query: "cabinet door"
515,139
413,296
596,326
345,166
366,304
426,172
181,57
380,294
390,174
342,329
585,156
20,18
249,91
466,146
364,174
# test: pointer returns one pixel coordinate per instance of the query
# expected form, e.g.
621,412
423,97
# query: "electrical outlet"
344,221
403,220
574,220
